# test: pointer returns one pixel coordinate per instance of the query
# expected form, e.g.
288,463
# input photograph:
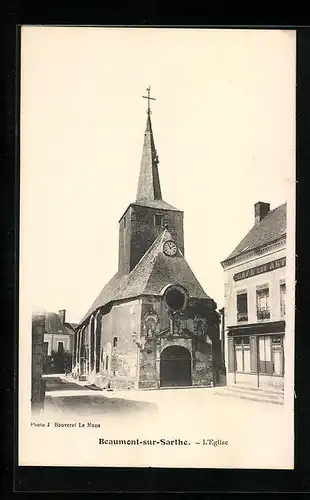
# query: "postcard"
157,247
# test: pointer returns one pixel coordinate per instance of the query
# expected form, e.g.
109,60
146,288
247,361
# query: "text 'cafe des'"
255,288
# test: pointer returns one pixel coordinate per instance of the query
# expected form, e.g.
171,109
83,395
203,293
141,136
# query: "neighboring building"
152,325
58,335
255,288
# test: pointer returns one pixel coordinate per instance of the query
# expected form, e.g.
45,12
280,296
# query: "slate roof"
149,184
149,190
149,276
71,326
270,228
53,325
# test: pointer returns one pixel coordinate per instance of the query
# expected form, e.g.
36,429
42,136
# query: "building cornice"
257,328
258,251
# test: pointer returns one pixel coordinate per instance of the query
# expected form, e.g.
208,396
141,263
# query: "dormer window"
158,220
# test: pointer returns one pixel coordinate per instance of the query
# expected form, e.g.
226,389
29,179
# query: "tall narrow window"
282,299
242,349
115,341
60,347
45,348
124,222
107,362
159,220
262,303
242,306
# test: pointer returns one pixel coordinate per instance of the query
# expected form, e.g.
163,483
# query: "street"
76,418
70,398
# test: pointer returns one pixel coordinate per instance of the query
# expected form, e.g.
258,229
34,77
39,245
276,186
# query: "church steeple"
149,184
145,218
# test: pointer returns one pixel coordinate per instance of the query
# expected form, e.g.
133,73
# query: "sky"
224,129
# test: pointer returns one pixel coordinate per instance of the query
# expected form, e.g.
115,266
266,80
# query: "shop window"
242,352
159,220
262,303
264,351
282,299
242,306
277,355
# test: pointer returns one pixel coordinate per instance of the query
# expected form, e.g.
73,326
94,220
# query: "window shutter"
253,354
231,355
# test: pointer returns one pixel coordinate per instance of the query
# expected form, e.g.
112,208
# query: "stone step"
268,390
252,395
251,398
259,392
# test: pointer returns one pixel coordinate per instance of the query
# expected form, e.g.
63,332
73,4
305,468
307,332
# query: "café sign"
264,268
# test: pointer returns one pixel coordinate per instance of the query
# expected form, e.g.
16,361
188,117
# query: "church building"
152,325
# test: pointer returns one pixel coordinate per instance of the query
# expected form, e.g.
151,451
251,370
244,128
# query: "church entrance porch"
175,367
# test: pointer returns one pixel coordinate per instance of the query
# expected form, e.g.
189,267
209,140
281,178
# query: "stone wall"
138,233
147,366
155,319
37,382
134,334
202,366
119,353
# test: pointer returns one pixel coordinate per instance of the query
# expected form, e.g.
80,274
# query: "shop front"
256,355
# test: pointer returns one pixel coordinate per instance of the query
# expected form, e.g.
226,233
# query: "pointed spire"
149,184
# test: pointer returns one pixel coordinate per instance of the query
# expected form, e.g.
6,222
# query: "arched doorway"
175,367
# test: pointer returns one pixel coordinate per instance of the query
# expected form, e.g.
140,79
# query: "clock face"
170,248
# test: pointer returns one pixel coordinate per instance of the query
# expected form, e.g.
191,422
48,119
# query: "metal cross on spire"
149,98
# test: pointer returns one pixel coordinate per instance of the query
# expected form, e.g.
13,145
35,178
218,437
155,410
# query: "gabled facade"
58,335
255,288
152,325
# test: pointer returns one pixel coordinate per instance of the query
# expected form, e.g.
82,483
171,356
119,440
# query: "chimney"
62,315
261,209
